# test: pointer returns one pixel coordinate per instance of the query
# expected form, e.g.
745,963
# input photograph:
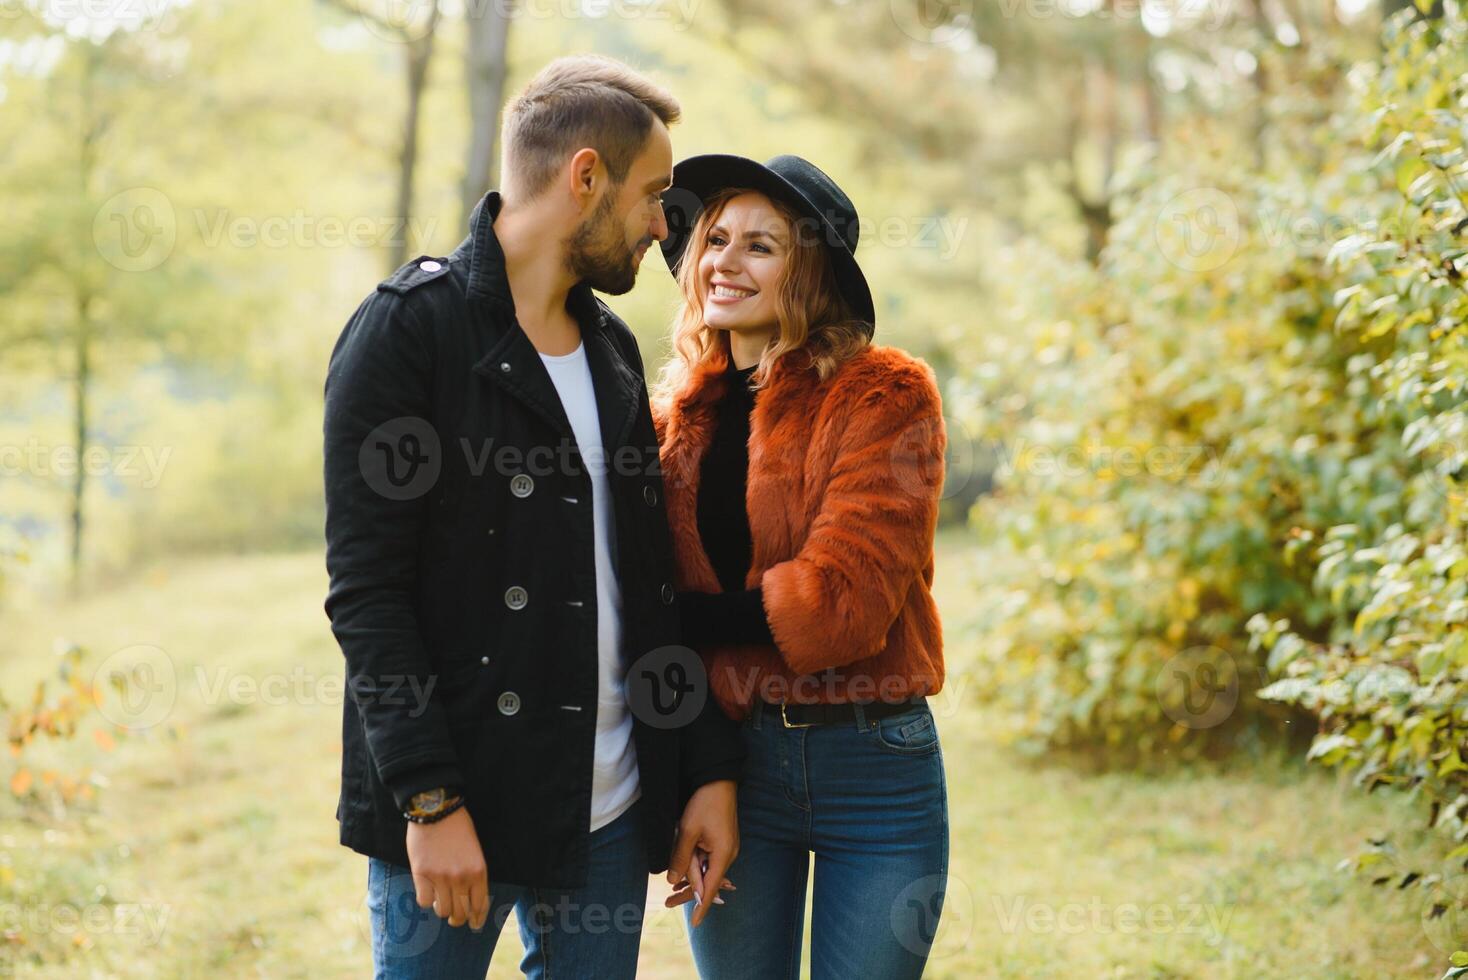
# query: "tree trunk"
484,72
1151,98
1260,134
81,386
420,53
1093,107
82,345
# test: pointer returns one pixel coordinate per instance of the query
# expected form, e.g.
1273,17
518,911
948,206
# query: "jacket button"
430,266
516,597
505,366
667,594
522,485
650,495
509,703
484,660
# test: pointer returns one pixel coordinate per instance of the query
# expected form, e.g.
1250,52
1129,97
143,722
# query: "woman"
803,466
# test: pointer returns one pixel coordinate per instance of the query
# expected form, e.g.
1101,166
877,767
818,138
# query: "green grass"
224,836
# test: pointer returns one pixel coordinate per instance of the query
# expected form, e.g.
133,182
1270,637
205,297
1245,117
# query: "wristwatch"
432,805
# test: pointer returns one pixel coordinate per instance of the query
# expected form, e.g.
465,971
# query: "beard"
597,251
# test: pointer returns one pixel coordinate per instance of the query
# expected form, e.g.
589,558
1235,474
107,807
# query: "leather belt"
808,715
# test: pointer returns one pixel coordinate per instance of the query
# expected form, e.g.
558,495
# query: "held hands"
450,876
691,887
706,844
449,872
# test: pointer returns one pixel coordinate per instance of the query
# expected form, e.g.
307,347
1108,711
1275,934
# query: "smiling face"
742,264
749,283
607,249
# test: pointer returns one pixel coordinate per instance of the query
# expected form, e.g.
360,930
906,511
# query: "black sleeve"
724,617
381,372
712,749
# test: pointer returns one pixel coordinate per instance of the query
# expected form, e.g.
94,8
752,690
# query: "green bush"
1248,413
1236,455
1389,680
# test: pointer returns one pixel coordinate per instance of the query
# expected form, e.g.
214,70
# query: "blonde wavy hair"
812,315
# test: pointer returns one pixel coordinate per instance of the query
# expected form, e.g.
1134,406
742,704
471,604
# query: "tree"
415,33
83,236
484,75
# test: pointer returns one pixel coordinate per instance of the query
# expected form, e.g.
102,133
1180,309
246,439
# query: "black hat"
789,179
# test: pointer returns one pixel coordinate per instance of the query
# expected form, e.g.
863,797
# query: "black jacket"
460,550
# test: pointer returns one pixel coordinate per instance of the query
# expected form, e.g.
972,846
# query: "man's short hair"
574,102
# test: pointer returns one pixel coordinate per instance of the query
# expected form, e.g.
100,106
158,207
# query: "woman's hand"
691,888
706,844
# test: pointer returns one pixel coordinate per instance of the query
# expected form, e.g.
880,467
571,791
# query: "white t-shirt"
614,784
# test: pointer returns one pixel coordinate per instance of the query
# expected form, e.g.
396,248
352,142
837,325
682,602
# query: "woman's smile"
724,293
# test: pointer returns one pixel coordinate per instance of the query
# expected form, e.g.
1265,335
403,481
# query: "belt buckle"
790,724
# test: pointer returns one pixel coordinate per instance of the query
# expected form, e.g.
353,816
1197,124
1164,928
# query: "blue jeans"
568,934
869,799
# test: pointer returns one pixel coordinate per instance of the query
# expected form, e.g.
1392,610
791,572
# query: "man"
499,558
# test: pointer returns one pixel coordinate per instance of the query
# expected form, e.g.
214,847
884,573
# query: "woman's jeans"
593,931
869,799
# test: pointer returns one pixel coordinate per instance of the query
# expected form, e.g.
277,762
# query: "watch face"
430,801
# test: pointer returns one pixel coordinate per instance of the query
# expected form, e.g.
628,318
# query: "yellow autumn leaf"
20,782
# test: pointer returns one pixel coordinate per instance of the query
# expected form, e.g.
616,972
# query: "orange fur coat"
844,481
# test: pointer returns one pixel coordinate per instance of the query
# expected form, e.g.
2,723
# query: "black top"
723,517
738,614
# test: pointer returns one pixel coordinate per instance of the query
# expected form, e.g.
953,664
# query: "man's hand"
448,869
709,828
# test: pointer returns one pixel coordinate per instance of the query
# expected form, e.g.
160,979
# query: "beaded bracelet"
448,808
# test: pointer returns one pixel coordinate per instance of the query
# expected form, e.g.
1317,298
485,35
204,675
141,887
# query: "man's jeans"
869,800
593,931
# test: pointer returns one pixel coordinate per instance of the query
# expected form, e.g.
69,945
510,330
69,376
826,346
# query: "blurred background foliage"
1191,273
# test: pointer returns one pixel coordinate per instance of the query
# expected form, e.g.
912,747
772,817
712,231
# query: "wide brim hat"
792,180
